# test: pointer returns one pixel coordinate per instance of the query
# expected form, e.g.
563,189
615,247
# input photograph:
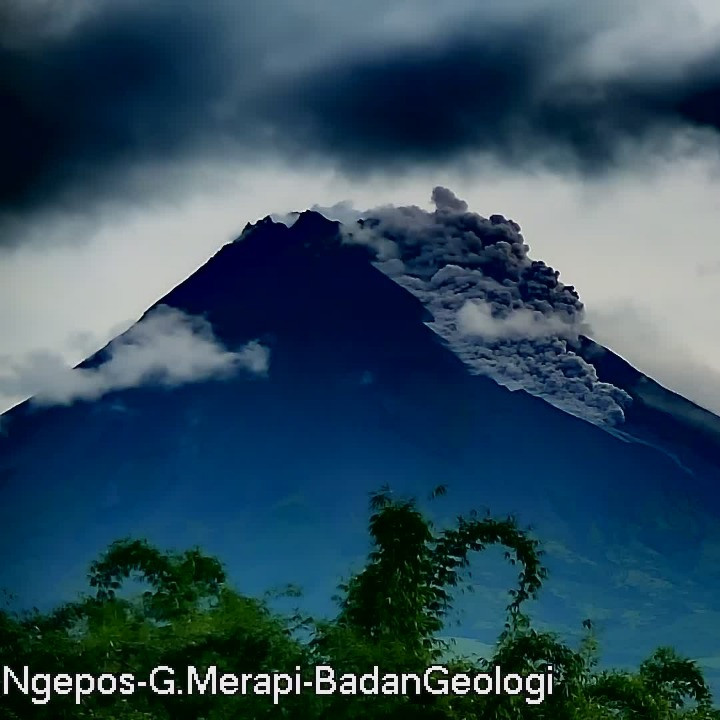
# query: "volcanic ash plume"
504,314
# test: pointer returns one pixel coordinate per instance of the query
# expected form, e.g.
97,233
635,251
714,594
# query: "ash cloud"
94,93
505,93
167,347
506,315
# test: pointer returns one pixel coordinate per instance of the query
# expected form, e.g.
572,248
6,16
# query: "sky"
138,137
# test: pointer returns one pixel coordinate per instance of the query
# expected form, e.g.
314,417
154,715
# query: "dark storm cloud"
495,93
131,84
123,87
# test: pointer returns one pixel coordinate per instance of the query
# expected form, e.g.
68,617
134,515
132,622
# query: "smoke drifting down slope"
506,315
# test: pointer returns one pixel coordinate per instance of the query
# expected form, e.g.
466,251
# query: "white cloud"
476,318
166,347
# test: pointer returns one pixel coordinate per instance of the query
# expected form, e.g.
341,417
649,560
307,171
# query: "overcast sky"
138,137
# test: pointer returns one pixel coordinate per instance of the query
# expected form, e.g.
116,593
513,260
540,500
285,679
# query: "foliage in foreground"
390,615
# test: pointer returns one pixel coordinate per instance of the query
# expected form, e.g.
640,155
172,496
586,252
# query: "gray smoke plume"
507,316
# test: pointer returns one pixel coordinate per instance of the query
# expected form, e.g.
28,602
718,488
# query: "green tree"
391,614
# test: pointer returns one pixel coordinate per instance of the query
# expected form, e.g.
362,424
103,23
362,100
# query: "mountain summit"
253,408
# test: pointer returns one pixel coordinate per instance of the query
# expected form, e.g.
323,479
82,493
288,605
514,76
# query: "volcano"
350,367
